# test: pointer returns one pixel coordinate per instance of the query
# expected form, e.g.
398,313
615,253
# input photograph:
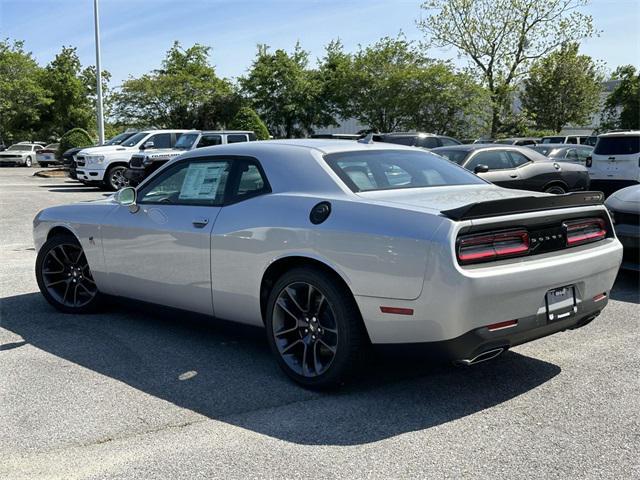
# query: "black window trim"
228,199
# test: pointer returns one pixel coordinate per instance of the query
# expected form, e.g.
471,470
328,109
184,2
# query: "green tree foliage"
21,94
563,87
622,106
70,105
391,85
174,95
248,119
502,37
76,137
285,92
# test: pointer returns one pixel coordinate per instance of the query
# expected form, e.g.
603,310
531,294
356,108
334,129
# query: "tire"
327,344
28,162
64,277
555,189
115,179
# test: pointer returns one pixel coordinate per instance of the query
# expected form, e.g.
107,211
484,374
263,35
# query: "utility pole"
100,119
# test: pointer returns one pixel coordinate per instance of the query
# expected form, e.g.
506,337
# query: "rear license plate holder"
561,303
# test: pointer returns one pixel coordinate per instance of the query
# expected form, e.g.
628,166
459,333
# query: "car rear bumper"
458,300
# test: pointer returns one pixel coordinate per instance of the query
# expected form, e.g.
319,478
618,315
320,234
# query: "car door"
160,250
501,171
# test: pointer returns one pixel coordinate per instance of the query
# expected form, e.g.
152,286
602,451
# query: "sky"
135,34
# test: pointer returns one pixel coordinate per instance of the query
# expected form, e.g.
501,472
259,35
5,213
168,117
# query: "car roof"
631,133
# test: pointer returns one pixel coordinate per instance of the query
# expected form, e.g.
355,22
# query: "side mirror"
127,198
589,161
481,169
148,144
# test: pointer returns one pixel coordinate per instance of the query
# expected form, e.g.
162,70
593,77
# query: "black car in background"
518,167
423,140
67,156
563,152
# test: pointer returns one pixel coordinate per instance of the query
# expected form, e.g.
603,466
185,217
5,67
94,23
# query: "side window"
446,141
572,140
188,183
428,142
583,153
495,160
572,154
209,141
237,138
518,159
160,140
250,180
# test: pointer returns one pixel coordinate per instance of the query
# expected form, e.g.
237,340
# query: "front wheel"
314,328
115,178
28,162
555,189
64,276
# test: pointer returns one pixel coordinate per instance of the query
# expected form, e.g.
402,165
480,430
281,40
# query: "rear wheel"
314,328
115,178
64,276
555,189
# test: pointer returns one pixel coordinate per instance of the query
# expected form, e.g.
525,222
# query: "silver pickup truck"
143,164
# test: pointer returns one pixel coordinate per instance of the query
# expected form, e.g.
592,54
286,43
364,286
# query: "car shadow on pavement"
225,372
627,287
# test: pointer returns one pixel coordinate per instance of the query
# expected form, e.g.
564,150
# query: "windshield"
396,169
134,139
455,156
185,142
118,139
626,145
20,147
553,140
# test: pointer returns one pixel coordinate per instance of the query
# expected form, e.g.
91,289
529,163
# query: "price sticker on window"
201,181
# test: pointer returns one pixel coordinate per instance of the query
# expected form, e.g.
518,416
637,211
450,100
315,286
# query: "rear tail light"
585,231
492,246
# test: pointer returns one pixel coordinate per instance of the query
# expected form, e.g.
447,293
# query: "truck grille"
80,160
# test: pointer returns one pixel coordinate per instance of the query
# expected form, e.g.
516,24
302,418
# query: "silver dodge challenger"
336,245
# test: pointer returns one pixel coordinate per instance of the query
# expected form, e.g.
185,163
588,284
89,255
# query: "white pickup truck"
105,166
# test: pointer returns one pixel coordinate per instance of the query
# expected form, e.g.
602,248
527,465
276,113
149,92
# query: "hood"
104,150
13,153
625,200
445,197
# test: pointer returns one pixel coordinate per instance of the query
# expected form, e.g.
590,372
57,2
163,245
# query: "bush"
76,137
248,119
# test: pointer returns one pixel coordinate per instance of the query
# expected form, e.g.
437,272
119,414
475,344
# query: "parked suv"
146,162
424,140
615,162
574,139
106,165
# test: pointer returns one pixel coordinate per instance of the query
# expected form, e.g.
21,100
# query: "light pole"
100,119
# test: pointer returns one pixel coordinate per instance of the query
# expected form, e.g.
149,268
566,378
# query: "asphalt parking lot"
135,392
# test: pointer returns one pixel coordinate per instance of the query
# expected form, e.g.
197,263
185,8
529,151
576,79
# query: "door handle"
200,222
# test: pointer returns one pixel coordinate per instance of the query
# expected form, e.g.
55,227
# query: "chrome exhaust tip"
483,357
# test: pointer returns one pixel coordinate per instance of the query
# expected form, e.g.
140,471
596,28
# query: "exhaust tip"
483,357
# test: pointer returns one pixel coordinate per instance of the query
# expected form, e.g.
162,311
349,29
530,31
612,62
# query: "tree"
563,87
248,119
21,94
174,95
285,92
622,106
76,137
69,104
502,37
391,85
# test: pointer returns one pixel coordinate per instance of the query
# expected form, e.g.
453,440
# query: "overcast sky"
137,33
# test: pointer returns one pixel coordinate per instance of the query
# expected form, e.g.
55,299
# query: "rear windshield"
396,169
627,145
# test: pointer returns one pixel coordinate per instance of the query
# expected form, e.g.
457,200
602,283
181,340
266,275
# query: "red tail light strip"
502,325
397,310
491,246
585,231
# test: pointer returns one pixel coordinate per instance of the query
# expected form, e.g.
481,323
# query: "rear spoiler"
510,206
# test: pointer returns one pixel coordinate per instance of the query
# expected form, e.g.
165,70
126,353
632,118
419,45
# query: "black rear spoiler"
509,206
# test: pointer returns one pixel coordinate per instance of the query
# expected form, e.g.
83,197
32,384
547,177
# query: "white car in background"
106,165
20,154
47,155
615,162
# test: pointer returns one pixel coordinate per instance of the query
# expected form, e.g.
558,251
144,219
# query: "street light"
100,119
